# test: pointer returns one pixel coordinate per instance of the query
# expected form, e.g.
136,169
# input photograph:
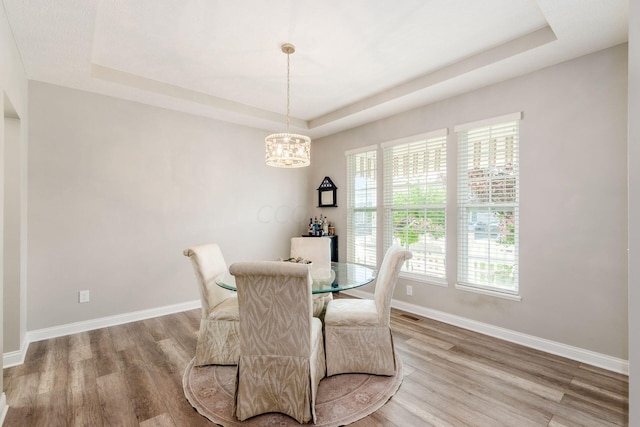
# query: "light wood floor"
131,375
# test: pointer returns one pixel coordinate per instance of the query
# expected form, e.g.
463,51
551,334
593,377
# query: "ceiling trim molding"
166,89
487,57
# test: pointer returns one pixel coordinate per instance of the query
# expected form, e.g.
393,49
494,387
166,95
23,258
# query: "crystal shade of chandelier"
288,150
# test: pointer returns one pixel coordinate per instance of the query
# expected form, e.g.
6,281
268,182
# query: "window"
362,205
415,202
488,203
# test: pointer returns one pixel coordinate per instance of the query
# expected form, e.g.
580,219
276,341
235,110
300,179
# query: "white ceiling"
355,61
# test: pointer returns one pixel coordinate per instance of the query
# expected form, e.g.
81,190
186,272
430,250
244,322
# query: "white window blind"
488,204
415,194
362,188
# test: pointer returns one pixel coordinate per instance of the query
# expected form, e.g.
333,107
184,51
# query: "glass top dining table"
343,276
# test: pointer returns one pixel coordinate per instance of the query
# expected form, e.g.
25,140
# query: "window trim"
512,294
428,280
452,191
488,122
386,209
361,150
407,139
350,209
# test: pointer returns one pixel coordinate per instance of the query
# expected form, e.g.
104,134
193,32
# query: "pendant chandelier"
288,150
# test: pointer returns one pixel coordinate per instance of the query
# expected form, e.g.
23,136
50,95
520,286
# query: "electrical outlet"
83,296
409,290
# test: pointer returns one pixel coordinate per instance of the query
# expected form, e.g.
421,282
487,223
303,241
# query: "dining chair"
218,338
318,251
357,332
281,344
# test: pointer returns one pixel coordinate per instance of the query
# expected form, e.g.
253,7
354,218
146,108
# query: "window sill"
424,279
467,288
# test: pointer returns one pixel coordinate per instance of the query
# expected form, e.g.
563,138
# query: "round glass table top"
342,276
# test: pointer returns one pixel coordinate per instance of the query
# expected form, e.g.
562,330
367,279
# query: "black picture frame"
327,194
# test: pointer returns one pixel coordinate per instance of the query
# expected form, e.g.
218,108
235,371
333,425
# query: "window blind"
488,205
362,189
415,194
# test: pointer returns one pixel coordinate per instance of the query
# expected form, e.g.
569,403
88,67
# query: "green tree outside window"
410,223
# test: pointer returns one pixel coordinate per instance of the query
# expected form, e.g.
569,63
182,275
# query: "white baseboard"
14,358
574,353
3,408
17,357
104,322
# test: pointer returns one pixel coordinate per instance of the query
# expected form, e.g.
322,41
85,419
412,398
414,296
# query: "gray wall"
573,216
12,239
13,88
118,189
634,213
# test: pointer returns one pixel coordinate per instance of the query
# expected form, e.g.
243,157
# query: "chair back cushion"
315,249
208,262
275,308
387,278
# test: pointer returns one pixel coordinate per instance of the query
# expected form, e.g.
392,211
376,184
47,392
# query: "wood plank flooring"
131,375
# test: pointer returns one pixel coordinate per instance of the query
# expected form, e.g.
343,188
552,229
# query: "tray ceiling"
355,61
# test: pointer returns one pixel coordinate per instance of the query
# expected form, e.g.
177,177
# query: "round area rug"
342,399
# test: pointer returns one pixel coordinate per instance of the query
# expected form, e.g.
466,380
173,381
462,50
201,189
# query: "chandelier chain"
288,90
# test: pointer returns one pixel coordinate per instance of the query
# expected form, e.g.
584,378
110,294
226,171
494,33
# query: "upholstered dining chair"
218,338
357,332
318,251
281,344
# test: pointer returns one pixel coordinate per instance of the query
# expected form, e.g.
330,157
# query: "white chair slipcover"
318,251
281,345
218,338
357,332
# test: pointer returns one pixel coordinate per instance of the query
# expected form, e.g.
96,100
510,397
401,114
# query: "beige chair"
357,333
318,251
218,339
281,345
